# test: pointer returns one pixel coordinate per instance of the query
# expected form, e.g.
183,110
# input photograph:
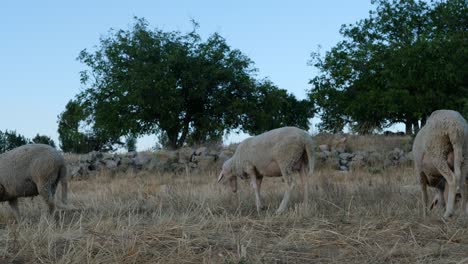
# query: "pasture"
355,217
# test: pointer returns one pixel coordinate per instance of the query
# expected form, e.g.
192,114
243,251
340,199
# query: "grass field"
355,217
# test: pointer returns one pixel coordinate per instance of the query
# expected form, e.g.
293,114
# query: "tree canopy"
10,139
43,139
407,59
142,81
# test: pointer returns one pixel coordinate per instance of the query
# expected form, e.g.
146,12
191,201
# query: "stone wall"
205,159
342,160
187,159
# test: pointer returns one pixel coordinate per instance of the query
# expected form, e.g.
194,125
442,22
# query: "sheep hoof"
448,215
280,211
261,208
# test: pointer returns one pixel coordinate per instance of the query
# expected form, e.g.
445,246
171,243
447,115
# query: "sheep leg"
304,186
64,185
441,196
423,184
256,184
438,199
289,181
47,191
14,206
424,198
452,181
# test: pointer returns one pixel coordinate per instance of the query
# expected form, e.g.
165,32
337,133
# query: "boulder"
185,155
346,156
324,147
200,151
142,158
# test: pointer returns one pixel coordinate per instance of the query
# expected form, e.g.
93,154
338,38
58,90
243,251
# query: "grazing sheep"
30,170
276,153
441,151
442,197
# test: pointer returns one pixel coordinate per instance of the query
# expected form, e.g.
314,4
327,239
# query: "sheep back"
284,145
22,168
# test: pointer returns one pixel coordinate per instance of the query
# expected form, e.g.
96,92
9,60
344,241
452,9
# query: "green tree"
130,143
75,133
43,139
404,61
272,107
173,84
10,140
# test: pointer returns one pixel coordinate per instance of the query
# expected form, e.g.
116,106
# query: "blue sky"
40,41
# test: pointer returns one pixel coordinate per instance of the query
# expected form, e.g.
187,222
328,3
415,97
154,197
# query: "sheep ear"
220,177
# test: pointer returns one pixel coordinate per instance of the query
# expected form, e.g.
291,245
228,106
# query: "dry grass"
146,218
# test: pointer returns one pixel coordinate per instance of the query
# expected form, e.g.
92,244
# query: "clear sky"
40,40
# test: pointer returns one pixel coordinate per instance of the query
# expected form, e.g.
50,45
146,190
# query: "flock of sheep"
440,152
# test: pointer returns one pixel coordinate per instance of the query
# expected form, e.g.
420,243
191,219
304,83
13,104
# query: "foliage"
74,133
407,59
10,140
272,107
185,90
43,139
130,143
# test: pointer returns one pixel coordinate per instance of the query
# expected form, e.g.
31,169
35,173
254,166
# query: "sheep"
442,194
440,152
276,153
30,170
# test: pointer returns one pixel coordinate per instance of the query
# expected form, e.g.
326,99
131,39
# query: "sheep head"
227,173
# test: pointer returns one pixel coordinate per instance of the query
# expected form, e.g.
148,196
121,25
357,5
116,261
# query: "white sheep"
442,194
276,153
440,149
30,170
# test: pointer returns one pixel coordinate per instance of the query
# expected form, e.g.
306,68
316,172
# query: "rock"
93,156
356,164
324,147
111,164
131,154
166,156
206,162
200,151
375,158
225,155
107,156
343,162
322,155
343,168
360,155
345,156
141,159
185,155
394,157
126,161
409,156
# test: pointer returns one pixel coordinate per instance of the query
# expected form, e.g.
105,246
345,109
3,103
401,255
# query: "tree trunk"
173,142
416,126
408,127
185,131
423,120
